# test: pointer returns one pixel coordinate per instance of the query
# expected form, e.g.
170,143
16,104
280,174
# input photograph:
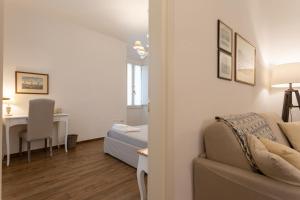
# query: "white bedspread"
124,145
125,128
136,138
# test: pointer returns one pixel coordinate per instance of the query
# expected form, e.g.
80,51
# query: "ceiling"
277,22
126,20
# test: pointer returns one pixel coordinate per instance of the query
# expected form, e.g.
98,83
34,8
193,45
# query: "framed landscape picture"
225,37
245,54
224,65
32,83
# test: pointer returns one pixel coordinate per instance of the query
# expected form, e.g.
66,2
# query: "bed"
124,145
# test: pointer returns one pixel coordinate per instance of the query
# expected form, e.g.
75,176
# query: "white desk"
141,170
10,121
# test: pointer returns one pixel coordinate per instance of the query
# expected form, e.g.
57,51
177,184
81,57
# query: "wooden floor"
83,173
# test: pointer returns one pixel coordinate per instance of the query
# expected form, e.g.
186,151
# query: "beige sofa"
223,173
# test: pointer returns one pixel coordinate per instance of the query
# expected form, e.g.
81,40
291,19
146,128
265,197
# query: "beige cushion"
273,119
292,132
271,164
287,153
222,146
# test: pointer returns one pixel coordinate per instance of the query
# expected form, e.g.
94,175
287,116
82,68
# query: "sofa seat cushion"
287,153
271,164
292,132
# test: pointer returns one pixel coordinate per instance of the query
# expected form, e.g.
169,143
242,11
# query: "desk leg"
66,136
141,179
7,145
58,134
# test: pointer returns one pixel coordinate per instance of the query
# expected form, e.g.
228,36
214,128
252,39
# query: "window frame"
133,105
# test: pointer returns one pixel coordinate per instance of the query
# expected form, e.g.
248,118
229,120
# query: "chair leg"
20,145
46,140
50,144
29,151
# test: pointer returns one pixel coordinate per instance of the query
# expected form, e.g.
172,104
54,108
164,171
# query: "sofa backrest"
222,146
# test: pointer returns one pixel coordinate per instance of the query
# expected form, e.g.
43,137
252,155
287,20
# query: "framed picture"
32,83
245,58
224,65
225,37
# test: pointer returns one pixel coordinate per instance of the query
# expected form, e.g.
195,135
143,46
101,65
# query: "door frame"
160,184
160,181
1,82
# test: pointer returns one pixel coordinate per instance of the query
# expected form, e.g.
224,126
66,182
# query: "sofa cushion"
292,132
271,164
222,146
248,123
272,119
287,153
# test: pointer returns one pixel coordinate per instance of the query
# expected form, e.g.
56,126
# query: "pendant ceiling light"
140,49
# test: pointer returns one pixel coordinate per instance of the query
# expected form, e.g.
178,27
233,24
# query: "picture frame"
245,61
31,83
225,65
225,37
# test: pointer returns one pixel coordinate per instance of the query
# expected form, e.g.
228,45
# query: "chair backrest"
40,120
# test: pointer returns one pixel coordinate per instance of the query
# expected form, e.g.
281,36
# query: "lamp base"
288,103
8,111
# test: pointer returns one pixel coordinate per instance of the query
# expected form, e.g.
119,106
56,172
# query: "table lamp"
8,108
287,76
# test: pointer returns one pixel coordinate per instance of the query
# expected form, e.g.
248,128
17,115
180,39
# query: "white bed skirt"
123,151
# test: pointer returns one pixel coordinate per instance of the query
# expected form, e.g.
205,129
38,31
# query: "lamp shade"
283,75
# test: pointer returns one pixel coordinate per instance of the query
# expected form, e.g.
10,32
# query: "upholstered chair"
40,124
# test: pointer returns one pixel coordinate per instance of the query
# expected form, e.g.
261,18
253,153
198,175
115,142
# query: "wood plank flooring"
85,173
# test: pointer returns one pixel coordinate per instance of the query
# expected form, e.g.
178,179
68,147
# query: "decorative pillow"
287,153
271,164
248,123
292,132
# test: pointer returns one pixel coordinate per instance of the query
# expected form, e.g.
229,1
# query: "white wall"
195,93
87,70
279,30
137,115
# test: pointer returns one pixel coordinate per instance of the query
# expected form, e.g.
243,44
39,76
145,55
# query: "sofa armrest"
214,181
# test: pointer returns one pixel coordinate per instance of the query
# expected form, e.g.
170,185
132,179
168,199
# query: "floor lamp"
287,76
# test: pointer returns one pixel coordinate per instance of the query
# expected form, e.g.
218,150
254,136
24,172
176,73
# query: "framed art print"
245,54
225,37
31,83
224,65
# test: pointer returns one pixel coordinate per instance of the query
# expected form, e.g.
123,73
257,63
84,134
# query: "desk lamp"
8,108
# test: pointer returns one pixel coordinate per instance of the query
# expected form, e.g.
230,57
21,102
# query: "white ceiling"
277,28
126,20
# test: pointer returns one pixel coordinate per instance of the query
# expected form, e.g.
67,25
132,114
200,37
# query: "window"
137,85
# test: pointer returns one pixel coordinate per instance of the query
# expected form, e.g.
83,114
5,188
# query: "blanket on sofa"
249,123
